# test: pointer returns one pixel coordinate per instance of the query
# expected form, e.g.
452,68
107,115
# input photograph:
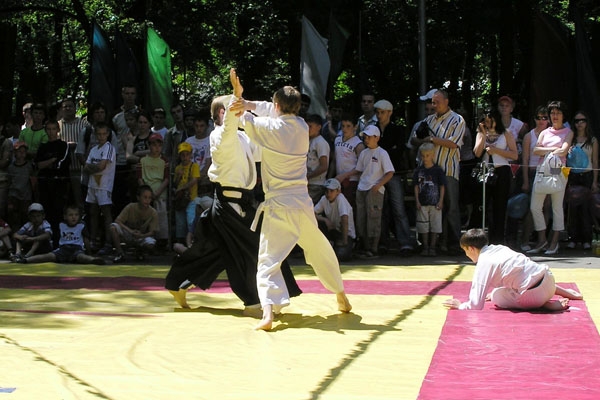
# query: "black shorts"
68,253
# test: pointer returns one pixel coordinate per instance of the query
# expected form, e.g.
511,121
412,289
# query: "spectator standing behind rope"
556,140
446,132
580,219
53,160
496,147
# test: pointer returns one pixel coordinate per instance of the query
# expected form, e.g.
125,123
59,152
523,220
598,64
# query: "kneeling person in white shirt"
515,281
336,219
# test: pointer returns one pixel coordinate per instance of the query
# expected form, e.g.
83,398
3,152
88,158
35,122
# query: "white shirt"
499,266
515,127
71,235
345,155
284,143
499,143
200,151
534,159
104,179
162,131
317,148
374,164
234,157
335,210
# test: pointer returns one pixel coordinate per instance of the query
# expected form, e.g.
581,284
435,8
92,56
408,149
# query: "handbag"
423,130
577,160
182,199
549,177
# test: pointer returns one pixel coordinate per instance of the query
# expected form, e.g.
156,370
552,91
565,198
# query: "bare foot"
179,248
266,323
573,294
557,305
568,293
343,303
180,297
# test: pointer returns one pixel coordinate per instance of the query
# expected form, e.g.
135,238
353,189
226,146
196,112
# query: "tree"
478,49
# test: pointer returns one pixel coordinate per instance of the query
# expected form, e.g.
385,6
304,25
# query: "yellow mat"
91,344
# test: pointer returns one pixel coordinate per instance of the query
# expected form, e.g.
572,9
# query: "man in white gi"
289,218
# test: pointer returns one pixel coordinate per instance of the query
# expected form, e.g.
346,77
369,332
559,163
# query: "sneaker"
552,252
571,245
587,246
14,257
406,251
21,260
538,249
525,247
432,252
369,254
105,251
118,258
425,252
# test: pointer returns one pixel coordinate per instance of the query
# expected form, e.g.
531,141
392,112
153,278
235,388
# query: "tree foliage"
478,49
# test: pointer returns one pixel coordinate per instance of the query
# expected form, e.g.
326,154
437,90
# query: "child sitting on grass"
71,245
136,225
35,237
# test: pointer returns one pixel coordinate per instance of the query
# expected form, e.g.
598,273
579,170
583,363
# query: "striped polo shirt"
449,126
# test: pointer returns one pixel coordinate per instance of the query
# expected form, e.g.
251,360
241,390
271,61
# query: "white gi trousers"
531,298
286,222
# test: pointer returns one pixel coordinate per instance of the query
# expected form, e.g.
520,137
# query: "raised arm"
238,89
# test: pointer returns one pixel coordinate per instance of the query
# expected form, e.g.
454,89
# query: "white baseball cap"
428,95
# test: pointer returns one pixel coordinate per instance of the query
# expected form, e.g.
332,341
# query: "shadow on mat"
233,312
333,323
363,346
39,357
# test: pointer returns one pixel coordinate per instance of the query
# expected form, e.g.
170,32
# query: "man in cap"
414,142
393,140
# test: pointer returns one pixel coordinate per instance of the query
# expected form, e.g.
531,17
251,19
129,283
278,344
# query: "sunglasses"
578,120
541,118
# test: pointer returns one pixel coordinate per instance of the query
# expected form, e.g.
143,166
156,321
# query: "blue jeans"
393,207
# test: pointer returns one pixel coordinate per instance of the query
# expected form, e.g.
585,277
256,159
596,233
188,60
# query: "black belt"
537,284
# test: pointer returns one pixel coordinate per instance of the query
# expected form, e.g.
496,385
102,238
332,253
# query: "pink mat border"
502,354
33,282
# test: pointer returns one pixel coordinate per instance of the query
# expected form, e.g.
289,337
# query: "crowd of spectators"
370,178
